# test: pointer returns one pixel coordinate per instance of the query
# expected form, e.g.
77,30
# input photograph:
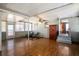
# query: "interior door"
52,32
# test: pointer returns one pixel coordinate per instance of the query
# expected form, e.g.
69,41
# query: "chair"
37,35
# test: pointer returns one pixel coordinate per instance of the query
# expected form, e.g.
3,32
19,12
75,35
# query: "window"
19,26
10,18
10,30
30,26
26,26
3,26
34,27
67,27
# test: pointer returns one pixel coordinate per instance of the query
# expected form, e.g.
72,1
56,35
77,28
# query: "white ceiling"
67,11
31,9
44,10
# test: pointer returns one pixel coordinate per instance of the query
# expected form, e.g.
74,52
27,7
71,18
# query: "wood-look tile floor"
41,47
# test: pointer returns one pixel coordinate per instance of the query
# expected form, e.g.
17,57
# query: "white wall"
74,24
20,33
44,32
74,29
66,11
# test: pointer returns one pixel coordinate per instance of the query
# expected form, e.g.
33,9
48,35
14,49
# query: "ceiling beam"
52,9
68,17
10,10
